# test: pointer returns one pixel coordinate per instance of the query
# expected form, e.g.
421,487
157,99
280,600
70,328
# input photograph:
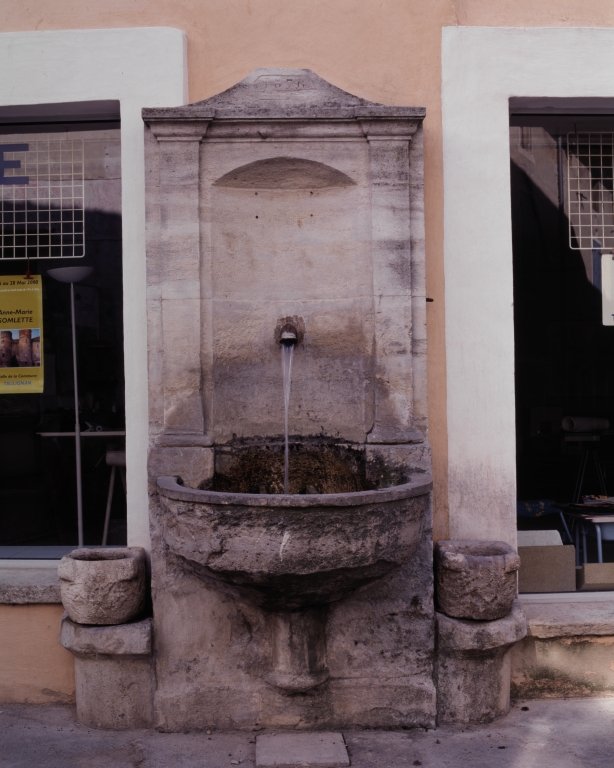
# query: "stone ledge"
27,585
465,635
118,640
569,619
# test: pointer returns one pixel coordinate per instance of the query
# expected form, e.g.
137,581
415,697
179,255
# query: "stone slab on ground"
315,749
570,733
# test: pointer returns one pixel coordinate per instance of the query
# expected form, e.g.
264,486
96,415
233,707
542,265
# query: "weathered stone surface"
398,459
473,686
465,635
194,465
117,640
325,216
568,650
310,204
288,552
284,553
113,673
103,586
475,579
569,619
114,693
21,586
287,750
563,667
283,93
473,666
379,642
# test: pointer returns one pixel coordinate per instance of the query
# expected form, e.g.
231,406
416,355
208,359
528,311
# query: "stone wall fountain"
286,210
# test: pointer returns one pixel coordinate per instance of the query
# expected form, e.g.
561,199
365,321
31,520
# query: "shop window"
563,235
60,206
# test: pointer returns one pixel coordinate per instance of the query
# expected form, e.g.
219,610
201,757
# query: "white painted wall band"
482,67
141,67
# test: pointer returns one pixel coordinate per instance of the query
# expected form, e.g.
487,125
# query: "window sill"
26,582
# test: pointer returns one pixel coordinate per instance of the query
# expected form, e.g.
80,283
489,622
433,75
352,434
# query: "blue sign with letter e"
4,164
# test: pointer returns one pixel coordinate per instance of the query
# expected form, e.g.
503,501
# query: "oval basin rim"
418,485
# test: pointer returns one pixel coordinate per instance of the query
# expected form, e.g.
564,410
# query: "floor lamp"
74,275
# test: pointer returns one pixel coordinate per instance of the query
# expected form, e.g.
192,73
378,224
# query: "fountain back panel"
285,201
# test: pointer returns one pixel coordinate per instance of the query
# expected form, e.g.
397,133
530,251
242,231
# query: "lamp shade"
70,274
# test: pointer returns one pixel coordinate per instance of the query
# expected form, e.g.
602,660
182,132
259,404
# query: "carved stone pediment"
284,94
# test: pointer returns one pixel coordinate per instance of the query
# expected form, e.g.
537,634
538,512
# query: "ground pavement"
572,733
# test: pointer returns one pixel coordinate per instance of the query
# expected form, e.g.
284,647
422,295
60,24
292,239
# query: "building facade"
463,61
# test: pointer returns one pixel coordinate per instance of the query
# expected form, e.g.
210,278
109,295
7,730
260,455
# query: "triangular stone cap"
283,94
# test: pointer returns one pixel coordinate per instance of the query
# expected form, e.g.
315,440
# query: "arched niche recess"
285,173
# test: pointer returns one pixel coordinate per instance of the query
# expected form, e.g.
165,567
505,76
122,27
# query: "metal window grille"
41,200
590,200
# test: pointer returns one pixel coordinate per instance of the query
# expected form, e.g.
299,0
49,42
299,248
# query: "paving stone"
286,750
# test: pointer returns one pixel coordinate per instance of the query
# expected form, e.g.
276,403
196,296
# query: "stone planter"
476,579
103,586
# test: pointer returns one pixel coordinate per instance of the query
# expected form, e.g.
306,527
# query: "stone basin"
292,552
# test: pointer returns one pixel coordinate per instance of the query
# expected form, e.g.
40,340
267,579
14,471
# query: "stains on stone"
399,261
57,697
382,471
547,683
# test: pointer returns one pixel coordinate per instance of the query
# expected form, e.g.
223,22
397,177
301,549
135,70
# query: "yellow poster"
21,334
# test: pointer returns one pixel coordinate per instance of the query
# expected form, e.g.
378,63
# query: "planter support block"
473,666
113,673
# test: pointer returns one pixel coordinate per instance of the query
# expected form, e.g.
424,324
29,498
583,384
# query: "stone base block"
473,666
286,750
547,569
596,577
113,673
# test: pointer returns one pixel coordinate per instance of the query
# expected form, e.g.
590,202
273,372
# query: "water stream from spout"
287,353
